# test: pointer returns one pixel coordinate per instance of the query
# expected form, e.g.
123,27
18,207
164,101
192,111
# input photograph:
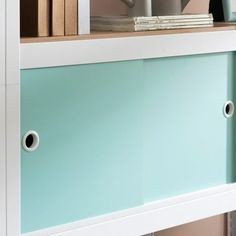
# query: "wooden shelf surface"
102,35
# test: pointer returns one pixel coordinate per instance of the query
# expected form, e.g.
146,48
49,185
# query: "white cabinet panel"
2,42
2,163
12,159
12,41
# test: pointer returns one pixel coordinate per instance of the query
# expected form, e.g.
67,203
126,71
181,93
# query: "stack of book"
120,23
54,17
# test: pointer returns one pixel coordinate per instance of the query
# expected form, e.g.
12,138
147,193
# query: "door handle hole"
30,141
229,109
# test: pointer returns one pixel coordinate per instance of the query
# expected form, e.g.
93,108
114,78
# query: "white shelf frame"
49,54
154,216
2,42
132,222
12,114
3,221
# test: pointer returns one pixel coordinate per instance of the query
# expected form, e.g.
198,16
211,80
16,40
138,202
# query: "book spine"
34,18
43,17
185,20
186,16
71,17
185,26
58,18
185,23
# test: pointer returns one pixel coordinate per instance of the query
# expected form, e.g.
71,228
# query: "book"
58,17
151,19
71,17
124,20
151,23
133,28
34,18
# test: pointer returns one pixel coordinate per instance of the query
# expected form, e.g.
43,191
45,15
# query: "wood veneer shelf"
102,35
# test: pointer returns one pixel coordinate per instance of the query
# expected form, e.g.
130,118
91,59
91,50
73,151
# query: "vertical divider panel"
2,122
12,42
2,42
2,163
13,160
231,122
12,117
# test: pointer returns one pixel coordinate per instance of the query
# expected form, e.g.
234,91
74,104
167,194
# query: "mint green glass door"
119,135
185,130
89,159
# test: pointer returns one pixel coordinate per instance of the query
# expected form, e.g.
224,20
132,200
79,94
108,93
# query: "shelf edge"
153,217
40,55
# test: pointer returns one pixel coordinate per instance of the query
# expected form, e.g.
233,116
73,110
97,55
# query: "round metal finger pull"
228,109
30,141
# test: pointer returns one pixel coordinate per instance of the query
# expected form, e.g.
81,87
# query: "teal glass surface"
119,135
185,134
90,158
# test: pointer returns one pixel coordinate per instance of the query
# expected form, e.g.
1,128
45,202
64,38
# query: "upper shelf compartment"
108,47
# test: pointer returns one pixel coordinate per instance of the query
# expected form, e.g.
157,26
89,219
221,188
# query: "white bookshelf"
39,53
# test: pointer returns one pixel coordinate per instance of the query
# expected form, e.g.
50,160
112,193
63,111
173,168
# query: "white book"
152,19
122,23
185,23
186,26
130,27
127,27
186,16
186,20
123,20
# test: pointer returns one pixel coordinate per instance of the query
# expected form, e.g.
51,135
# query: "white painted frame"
2,42
2,161
3,222
132,222
13,159
12,117
125,48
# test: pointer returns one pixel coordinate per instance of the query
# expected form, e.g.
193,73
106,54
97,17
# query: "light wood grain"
58,17
71,17
102,35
